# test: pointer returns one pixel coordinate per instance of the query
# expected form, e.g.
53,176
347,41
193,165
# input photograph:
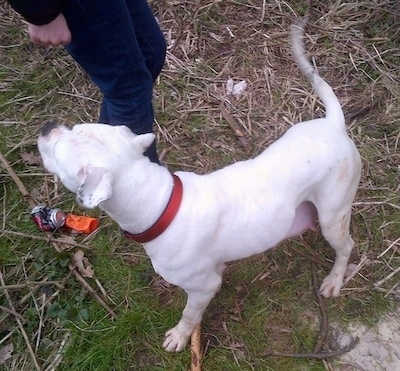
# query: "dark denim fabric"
120,45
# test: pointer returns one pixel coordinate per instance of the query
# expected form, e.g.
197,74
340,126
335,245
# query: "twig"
10,334
47,239
231,121
195,349
382,281
21,327
17,181
312,257
363,260
234,126
376,203
357,112
91,290
103,291
322,355
32,283
323,333
9,311
40,326
318,353
394,243
60,353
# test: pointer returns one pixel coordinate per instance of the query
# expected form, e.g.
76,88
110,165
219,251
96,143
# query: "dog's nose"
47,128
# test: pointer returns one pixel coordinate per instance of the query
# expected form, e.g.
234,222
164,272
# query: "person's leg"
150,38
105,44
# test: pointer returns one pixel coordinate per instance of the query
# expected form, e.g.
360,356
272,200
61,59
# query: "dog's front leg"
197,302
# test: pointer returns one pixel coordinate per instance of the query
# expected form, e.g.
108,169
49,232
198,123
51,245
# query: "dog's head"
87,157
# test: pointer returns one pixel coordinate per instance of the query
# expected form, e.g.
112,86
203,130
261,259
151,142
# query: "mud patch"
378,348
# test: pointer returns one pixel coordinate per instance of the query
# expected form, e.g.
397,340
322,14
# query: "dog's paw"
331,285
174,340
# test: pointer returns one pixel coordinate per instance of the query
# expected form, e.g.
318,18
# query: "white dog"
243,209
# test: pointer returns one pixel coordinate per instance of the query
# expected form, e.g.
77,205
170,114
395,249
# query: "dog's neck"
136,209
165,218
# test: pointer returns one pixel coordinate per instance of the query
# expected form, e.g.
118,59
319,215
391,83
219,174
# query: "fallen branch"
323,332
235,127
47,239
383,280
60,353
311,256
195,349
322,355
231,121
17,181
10,311
32,283
91,291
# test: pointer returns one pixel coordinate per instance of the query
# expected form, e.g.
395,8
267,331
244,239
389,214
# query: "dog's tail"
333,108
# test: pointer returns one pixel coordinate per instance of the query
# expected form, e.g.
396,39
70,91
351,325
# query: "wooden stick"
17,181
322,355
231,121
241,137
90,289
323,333
195,349
72,244
32,283
10,311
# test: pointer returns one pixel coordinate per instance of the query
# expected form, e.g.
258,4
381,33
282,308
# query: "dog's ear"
95,186
144,141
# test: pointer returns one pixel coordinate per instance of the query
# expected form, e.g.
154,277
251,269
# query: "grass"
266,302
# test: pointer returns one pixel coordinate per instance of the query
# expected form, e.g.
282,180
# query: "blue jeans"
120,45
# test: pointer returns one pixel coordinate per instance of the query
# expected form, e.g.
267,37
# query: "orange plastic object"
83,224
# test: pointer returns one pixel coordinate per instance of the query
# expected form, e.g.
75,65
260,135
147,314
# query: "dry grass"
267,301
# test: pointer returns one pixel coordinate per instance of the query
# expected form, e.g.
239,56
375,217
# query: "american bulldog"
191,225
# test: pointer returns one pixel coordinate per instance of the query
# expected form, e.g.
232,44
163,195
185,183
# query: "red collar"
166,217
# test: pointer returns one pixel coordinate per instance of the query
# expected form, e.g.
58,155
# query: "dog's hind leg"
335,229
197,302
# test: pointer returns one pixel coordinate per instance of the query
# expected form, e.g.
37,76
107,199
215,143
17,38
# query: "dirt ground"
378,348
